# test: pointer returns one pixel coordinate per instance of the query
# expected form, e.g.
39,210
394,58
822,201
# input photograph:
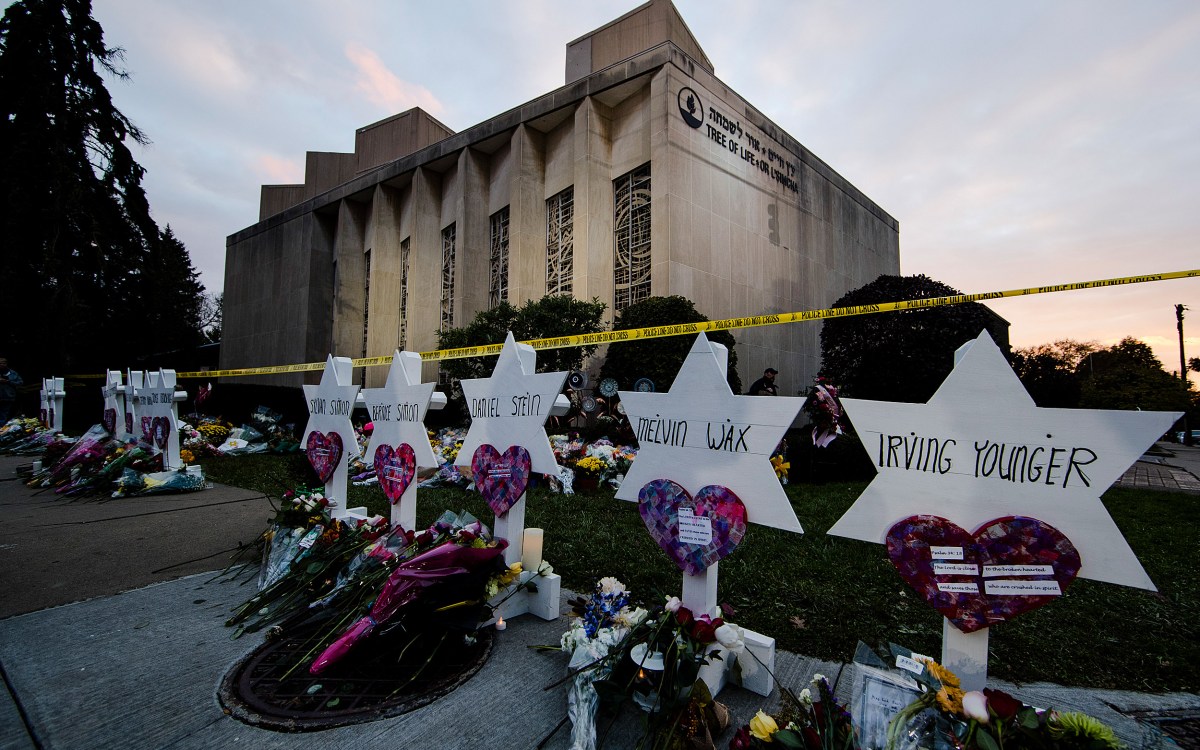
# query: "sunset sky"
1019,144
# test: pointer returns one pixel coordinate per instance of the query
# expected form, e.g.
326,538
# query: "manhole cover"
384,676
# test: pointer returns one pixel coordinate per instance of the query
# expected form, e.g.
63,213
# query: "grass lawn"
819,595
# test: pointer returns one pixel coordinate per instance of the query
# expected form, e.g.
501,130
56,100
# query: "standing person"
765,386
9,380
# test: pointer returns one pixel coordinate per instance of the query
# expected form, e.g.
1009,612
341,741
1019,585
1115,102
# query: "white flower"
806,697
629,618
610,585
731,637
545,569
975,706
673,604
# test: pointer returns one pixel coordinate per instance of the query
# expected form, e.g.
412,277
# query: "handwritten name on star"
724,436
985,458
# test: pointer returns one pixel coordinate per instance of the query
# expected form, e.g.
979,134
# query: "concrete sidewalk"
1169,467
140,669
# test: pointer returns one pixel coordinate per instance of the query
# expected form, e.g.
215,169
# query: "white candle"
531,549
501,624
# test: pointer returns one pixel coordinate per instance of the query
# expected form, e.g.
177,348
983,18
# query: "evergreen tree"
173,295
80,244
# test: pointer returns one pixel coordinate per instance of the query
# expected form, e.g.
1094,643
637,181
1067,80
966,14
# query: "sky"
1018,143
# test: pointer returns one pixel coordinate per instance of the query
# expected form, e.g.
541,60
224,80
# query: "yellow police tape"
755,321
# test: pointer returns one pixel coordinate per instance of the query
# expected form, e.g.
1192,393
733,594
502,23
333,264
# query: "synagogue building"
642,175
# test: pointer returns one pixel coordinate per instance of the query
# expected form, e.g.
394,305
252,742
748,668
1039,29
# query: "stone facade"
743,219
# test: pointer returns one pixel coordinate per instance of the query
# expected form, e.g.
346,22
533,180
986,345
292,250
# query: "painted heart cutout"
1009,566
109,421
162,430
147,430
324,453
129,422
697,531
395,469
501,479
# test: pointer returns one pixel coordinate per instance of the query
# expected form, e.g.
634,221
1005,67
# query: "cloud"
382,87
275,170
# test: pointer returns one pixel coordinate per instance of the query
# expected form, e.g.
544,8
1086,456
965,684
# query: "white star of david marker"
699,433
330,404
981,449
511,407
397,410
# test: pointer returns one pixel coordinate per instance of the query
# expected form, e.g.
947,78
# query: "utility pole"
1183,371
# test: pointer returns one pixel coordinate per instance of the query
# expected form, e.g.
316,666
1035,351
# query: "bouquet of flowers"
652,659
134,482
304,556
15,431
446,443
813,720
944,716
450,575
826,413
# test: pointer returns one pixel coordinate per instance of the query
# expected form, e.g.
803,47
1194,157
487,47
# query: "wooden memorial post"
703,471
134,379
973,484
507,442
113,392
53,394
329,439
399,443
158,409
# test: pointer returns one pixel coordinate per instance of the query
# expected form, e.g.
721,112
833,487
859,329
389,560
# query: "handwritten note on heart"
395,469
109,420
1007,567
147,429
501,479
324,453
694,531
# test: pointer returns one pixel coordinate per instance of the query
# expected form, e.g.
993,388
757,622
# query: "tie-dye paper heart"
324,453
162,430
1007,567
109,421
715,512
395,469
501,479
147,429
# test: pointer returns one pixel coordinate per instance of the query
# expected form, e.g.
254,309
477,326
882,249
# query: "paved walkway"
140,669
1170,467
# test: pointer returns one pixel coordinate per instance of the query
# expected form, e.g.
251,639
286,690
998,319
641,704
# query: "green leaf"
1028,718
985,740
788,738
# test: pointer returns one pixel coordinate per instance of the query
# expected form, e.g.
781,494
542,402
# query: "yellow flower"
186,456
950,697
763,726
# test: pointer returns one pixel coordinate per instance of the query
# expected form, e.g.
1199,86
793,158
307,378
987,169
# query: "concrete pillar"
349,291
527,217
473,239
593,233
383,319
425,265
